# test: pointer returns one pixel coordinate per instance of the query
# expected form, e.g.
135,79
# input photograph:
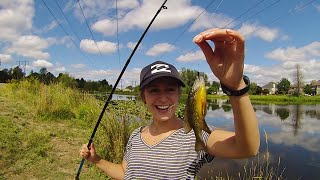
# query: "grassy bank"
277,99
42,128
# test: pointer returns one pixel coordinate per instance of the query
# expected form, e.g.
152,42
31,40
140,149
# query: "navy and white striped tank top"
172,158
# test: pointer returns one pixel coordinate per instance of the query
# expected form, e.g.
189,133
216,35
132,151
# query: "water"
293,136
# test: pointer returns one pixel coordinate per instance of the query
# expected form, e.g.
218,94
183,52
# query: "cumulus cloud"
42,63
5,58
132,45
105,47
140,16
264,33
78,66
127,4
192,56
306,56
15,18
30,46
295,54
159,49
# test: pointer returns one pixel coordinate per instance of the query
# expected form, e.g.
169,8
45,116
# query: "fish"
195,112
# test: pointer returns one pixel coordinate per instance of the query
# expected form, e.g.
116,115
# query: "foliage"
283,86
307,89
213,88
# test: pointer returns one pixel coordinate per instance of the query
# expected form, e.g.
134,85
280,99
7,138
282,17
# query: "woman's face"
161,97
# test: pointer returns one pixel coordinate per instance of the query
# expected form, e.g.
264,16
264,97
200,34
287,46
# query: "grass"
277,99
42,128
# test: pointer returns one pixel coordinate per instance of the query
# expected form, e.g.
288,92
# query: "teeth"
162,107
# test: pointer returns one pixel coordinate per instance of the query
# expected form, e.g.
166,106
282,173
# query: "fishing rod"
116,84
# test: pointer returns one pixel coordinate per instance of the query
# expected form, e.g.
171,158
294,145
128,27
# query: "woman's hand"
90,154
226,59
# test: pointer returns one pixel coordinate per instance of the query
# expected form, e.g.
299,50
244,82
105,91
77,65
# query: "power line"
243,13
64,29
277,19
276,2
65,17
186,29
89,28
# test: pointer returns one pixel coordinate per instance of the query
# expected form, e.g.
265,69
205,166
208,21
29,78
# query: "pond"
293,133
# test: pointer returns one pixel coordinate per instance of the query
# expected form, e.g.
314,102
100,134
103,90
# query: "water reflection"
294,136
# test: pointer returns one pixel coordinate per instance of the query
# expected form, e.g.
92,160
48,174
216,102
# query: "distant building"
315,86
271,87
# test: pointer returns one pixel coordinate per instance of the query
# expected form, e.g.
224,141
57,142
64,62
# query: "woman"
162,150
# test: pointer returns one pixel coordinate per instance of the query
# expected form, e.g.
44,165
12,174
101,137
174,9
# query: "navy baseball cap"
156,70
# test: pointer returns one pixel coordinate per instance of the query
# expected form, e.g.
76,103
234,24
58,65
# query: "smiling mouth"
162,107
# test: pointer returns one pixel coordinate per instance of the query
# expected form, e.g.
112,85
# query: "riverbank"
276,99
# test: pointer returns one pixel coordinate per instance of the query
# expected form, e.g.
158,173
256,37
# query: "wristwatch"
240,92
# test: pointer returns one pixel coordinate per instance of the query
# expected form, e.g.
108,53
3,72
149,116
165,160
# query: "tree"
67,80
4,76
16,73
307,89
283,86
213,88
253,88
188,76
298,80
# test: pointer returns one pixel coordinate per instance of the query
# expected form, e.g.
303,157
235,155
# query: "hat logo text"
160,68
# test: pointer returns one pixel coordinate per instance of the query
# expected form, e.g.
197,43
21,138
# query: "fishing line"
116,84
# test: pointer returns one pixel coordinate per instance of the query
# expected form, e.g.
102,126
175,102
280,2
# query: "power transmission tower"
23,64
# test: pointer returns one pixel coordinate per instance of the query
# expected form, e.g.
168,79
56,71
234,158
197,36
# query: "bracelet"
240,92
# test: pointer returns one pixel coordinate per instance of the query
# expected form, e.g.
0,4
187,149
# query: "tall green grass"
57,103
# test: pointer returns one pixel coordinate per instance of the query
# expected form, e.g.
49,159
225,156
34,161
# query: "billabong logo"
160,68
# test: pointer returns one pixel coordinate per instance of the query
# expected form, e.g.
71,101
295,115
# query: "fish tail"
198,146
206,127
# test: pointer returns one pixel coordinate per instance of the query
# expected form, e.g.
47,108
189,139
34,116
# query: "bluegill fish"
195,111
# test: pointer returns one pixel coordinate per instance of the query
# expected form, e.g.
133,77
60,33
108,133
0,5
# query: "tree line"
46,77
284,86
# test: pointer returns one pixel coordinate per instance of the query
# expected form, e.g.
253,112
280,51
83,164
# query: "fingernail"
229,31
197,38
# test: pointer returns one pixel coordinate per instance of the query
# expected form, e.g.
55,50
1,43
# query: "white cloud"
60,69
105,47
91,8
140,17
264,33
30,46
5,58
190,57
131,45
15,18
78,66
42,63
296,54
160,48
207,21
127,4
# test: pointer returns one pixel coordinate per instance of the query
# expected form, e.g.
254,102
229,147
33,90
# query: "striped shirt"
172,158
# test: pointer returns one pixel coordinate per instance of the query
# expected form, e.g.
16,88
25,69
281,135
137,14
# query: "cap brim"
147,81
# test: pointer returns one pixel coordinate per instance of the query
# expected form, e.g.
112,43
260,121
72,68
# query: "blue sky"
279,35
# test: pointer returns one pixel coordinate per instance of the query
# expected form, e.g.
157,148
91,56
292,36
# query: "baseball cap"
156,70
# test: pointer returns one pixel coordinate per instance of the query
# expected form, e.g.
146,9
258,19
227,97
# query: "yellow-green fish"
195,111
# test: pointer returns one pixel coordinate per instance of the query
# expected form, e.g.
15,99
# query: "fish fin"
198,146
206,127
187,127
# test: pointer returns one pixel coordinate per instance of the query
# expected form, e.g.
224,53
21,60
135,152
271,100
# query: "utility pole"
23,64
